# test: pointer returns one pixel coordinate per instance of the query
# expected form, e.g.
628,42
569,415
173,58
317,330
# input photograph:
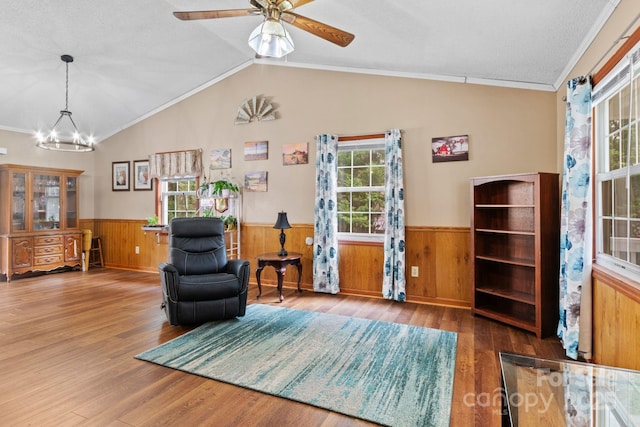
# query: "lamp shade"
271,39
282,222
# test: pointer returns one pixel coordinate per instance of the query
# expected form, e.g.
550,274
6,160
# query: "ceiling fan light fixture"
65,136
271,39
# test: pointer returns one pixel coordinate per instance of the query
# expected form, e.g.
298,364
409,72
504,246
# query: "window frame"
360,143
161,208
610,82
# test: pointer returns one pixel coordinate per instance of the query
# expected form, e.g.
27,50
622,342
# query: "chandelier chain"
66,99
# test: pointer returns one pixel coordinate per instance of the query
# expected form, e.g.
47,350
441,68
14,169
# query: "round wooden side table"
279,263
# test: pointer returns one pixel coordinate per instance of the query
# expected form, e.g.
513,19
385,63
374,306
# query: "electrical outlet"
137,249
309,241
414,271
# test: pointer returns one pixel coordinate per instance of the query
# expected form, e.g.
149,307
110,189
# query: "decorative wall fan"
270,38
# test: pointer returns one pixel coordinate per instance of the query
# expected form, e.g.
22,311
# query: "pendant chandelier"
64,136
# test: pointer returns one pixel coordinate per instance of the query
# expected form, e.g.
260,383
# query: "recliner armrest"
239,268
169,280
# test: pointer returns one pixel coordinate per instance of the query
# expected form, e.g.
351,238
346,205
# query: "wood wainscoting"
616,320
440,253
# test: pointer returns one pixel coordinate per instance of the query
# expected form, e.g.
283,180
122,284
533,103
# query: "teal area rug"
387,373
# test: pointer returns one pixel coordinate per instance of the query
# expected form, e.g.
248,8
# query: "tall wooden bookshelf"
515,245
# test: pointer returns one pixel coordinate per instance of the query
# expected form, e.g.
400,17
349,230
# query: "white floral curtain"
175,164
394,280
574,327
325,232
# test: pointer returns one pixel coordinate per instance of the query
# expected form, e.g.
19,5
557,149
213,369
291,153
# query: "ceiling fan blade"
210,14
327,32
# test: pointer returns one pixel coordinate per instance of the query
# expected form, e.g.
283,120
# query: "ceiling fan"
270,38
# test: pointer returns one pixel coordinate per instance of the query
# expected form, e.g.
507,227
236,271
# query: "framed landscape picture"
141,180
255,181
258,150
220,159
120,172
295,154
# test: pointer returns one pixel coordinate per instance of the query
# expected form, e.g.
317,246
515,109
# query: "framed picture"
141,181
450,148
258,150
120,176
295,154
255,181
220,159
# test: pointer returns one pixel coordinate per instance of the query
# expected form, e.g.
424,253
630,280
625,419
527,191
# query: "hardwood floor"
68,344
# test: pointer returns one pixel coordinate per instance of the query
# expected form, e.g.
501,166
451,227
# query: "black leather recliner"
198,283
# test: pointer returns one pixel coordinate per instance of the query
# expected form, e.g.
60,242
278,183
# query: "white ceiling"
133,58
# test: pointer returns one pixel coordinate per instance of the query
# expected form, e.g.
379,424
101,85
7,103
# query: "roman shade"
175,164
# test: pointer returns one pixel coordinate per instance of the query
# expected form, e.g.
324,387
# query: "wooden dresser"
39,225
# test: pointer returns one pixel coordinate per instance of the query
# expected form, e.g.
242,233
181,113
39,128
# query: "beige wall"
510,131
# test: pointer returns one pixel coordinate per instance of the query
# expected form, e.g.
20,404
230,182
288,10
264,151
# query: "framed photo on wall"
220,159
120,176
450,148
295,154
141,180
258,150
255,181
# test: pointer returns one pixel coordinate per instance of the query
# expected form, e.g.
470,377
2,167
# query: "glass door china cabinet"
39,226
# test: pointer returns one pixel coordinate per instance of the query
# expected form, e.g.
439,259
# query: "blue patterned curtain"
574,327
394,281
325,231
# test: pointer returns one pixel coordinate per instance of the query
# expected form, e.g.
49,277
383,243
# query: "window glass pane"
377,201
360,223
377,157
607,231
344,177
344,223
361,158
360,202
361,177
614,151
624,106
606,198
344,158
172,186
377,176
620,207
344,202
620,229
634,197
379,223
624,147
620,197
614,113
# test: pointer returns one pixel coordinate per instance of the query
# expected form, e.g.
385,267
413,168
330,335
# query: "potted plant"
152,221
223,188
230,222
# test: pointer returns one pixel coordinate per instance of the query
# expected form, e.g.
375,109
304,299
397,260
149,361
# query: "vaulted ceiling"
133,58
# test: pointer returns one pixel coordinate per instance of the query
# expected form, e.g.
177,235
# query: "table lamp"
282,223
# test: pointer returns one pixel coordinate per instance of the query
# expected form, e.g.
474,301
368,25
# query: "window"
361,169
178,198
616,105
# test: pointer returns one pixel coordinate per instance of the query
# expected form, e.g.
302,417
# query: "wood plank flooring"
68,343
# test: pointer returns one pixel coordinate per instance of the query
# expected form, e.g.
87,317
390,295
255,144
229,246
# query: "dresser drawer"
47,250
46,260
47,240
